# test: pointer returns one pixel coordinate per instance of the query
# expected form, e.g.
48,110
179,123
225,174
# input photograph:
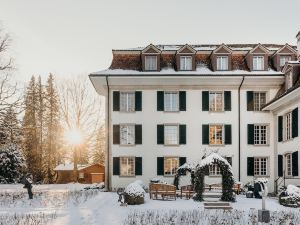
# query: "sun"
74,137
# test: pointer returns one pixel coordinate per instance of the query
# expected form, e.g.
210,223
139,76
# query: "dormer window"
258,62
185,62
222,62
284,59
150,63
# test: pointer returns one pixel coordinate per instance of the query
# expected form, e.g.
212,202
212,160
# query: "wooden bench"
236,187
187,190
165,191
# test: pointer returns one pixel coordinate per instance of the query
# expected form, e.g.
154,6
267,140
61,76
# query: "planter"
249,194
134,200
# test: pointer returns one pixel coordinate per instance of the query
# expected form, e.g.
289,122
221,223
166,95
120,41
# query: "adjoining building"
171,104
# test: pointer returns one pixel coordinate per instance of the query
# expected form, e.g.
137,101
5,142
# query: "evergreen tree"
10,130
11,163
99,147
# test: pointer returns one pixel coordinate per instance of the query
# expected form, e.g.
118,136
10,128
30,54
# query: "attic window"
258,62
284,59
222,62
150,63
185,62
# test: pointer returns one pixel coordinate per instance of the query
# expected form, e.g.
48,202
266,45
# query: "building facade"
167,105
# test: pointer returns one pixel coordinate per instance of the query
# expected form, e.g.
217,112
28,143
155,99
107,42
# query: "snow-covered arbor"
226,172
182,170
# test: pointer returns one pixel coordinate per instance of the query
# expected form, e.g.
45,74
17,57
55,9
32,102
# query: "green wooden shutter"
280,127
160,165
138,166
295,163
138,134
182,160
228,134
205,101
182,101
116,134
205,134
250,166
250,134
229,160
250,103
160,134
116,165
295,123
227,100
116,101
280,165
182,134
160,101
138,101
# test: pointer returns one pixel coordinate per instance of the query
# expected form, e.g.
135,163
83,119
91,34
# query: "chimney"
298,43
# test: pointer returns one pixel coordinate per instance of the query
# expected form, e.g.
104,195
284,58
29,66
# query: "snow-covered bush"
142,184
134,194
290,197
95,186
12,164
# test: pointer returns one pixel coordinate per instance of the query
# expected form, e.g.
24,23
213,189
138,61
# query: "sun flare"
74,137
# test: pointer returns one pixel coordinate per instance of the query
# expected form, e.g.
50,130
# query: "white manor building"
171,104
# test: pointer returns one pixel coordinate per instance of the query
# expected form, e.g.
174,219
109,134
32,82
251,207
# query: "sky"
75,37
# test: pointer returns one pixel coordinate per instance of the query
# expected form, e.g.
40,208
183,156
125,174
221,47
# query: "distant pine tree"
10,128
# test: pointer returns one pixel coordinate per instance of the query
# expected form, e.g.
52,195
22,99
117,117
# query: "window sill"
130,145
216,145
127,111
258,176
215,176
261,145
169,175
175,145
177,111
127,176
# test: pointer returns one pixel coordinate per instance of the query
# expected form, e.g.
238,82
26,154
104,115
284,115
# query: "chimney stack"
298,43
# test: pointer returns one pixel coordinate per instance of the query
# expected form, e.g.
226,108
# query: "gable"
286,49
151,49
259,49
222,49
186,49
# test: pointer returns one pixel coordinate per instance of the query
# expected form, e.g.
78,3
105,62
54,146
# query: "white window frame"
150,62
222,63
128,126
215,107
127,161
283,59
258,165
173,165
214,170
175,97
258,62
165,135
289,80
186,63
288,165
287,126
261,130
215,134
127,101
257,106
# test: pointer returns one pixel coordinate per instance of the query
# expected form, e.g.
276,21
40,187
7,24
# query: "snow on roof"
293,62
211,158
69,166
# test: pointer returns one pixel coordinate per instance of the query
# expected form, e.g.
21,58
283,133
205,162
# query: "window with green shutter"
205,101
227,100
228,134
205,134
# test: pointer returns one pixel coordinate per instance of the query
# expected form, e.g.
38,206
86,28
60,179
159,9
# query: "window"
259,100
171,134
260,134
260,166
284,59
185,62
127,134
216,101
81,175
222,62
215,134
214,170
150,63
127,101
127,166
258,62
288,164
287,121
170,165
171,101
289,80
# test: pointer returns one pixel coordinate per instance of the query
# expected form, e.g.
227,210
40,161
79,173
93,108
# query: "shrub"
134,194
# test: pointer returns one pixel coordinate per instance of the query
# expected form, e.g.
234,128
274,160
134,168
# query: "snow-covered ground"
98,207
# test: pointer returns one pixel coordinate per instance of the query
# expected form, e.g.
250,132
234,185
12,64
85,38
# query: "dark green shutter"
295,163
206,171
116,165
138,166
160,165
182,100
116,101
280,165
160,101
250,103
250,134
228,136
227,99
138,101
182,134
182,160
295,123
160,134
205,101
116,134
280,126
229,160
250,166
205,134
138,134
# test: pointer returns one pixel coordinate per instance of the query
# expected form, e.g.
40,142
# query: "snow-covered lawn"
65,204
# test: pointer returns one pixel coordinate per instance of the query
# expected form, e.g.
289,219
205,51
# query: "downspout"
239,118
108,183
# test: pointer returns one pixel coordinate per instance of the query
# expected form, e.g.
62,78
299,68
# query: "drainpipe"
239,118
108,174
